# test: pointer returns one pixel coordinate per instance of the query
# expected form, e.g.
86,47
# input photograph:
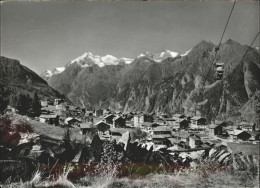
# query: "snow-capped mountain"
159,57
88,59
165,54
170,85
186,53
48,73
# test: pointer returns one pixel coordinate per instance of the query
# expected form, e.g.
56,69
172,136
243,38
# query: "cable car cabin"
219,71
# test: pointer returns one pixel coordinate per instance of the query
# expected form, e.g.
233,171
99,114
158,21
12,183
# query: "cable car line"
245,54
217,48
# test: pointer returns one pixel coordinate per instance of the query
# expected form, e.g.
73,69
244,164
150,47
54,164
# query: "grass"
106,176
245,148
46,129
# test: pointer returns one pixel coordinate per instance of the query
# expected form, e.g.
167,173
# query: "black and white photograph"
129,93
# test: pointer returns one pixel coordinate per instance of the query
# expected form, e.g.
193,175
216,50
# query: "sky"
45,35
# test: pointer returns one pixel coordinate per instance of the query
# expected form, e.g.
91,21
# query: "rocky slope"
173,84
18,82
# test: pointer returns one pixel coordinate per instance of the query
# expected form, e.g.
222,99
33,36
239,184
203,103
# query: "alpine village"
162,119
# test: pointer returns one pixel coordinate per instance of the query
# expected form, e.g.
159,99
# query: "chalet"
102,126
106,112
119,122
99,113
178,117
184,124
86,127
182,136
162,130
246,126
73,111
173,142
57,101
240,135
215,129
255,135
89,119
109,119
140,118
129,123
161,139
222,123
198,122
194,141
170,121
160,121
50,119
89,112
72,121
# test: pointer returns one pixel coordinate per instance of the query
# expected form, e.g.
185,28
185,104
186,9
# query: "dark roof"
238,132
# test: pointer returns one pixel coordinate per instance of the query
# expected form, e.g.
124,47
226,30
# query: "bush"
138,134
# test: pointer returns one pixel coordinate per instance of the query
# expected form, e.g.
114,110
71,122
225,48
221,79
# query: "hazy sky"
45,35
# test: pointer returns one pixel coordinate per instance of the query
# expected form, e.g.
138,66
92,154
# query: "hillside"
171,85
18,84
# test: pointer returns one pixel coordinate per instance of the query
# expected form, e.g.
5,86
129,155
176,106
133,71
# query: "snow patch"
186,53
58,70
141,55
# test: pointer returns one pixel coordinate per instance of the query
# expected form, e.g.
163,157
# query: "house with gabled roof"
86,127
102,126
198,122
182,136
194,141
240,135
99,112
246,126
161,139
215,129
119,122
109,118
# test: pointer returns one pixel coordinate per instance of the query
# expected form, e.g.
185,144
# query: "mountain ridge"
171,86
18,84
